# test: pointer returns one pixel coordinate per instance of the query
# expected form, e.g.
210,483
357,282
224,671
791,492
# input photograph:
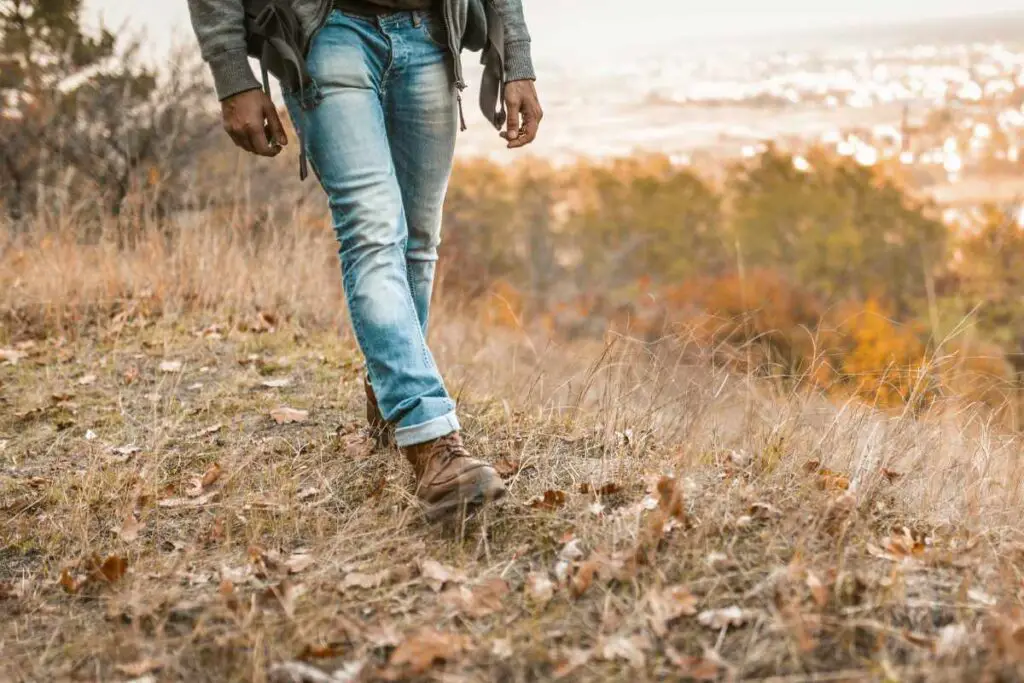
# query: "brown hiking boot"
381,431
448,479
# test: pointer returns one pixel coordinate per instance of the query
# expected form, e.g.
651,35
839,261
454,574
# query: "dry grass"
855,545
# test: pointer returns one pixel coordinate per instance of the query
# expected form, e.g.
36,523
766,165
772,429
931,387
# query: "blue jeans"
379,127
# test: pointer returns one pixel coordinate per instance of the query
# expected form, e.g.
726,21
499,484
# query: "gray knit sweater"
220,28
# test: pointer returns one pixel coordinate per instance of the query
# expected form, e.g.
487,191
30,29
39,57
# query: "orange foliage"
881,361
503,305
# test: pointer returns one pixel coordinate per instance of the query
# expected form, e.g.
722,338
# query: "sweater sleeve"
518,59
220,27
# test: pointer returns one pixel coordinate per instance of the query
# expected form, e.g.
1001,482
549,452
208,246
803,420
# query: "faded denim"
379,127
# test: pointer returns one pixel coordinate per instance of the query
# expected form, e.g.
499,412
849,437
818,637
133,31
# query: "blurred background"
833,195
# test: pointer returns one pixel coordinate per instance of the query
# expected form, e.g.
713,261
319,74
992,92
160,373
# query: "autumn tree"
79,111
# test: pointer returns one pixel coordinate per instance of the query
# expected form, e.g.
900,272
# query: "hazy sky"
572,25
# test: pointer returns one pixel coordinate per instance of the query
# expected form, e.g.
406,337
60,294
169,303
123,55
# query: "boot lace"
450,448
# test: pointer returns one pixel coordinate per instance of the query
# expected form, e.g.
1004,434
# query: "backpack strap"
492,82
276,38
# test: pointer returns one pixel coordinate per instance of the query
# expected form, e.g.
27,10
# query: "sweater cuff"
232,73
518,63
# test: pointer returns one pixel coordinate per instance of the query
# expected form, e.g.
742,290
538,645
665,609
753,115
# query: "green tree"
842,230
990,280
647,219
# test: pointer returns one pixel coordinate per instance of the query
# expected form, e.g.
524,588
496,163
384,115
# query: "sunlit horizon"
646,23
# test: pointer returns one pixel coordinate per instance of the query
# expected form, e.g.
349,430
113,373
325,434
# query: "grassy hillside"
163,519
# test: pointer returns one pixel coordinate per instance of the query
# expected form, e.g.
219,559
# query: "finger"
512,125
240,139
275,129
259,144
531,124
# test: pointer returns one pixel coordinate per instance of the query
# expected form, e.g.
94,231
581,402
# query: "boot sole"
464,504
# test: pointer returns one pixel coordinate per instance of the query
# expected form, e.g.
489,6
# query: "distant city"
943,102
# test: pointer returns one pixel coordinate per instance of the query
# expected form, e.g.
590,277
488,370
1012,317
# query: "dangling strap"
280,31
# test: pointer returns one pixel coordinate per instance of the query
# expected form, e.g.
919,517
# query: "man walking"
378,121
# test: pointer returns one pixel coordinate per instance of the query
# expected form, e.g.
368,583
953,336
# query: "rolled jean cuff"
427,431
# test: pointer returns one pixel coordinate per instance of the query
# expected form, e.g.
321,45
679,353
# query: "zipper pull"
462,115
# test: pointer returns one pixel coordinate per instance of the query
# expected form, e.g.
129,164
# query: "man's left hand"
524,113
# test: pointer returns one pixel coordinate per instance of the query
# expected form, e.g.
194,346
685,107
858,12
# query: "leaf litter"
285,415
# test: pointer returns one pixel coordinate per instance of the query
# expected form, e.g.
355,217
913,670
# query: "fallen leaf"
170,366
608,489
139,668
283,415
719,561
277,383
420,652
111,569
298,672
630,649
130,529
265,562
318,651
127,451
203,483
977,595
11,356
383,636
832,481
211,475
551,500
86,380
919,639
818,589
307,493
508,468
436,575
812,466
189,502
903,544
695,668
539,588
570,660
571,550
891,475
669,604
583,578
502,648
718,619
265,322
70,583
670,498
61,397
479,601
299,562
212,429
953,639
287,594
350,672
764,511
369,581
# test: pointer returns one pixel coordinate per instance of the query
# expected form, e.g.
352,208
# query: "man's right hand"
251,120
